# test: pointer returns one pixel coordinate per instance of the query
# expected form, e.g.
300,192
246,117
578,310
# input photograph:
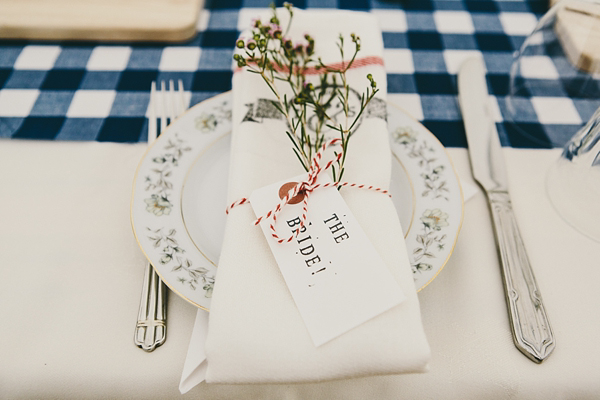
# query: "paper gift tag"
336,277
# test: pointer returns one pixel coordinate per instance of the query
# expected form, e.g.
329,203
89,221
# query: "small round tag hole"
285,188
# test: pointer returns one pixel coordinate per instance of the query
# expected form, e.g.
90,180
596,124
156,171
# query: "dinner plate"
179,197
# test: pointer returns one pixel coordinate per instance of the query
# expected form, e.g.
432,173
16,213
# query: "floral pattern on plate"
156,206
174,256
208,121
158,181
439,204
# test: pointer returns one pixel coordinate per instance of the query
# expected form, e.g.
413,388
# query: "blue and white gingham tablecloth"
100,91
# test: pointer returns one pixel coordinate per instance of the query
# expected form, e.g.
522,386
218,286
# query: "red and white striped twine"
358,63
306,187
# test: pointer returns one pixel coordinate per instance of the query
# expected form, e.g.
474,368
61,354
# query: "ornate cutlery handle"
151,328
529,323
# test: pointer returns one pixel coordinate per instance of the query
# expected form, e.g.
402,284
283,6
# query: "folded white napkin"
194,368
255,332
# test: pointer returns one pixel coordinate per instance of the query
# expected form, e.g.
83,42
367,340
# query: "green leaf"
278,107
300,158
289,135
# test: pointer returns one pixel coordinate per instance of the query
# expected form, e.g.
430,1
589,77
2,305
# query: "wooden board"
578,29
107,20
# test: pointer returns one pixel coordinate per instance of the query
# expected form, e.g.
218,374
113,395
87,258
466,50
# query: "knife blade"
529,322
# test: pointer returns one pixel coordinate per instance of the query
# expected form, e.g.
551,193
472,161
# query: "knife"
528,319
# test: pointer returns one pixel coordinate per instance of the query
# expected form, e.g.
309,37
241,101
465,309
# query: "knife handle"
531,329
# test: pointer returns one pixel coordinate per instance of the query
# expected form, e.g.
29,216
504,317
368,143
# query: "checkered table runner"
99,91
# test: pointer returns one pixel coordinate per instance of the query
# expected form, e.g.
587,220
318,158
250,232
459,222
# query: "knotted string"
305,187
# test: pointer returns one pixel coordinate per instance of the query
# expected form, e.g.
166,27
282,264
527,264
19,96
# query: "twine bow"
305,187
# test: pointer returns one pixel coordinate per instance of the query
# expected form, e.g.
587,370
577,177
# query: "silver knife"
529,322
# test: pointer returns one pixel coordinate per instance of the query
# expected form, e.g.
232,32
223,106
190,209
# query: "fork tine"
152,127
182,103
163,113
173,112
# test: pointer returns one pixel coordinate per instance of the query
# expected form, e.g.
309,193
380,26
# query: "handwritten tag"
336,277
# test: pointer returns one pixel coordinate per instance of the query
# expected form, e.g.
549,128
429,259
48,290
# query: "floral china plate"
179,197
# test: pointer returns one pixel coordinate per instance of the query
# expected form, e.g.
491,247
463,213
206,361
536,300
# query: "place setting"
392,200
180,189
195,156
184,184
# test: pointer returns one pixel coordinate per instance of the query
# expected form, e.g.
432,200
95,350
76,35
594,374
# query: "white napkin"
255,331
194,368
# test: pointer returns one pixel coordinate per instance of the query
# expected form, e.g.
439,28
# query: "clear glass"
554,85
554,90
573,182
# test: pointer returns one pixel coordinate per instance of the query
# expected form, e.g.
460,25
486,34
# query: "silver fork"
151,327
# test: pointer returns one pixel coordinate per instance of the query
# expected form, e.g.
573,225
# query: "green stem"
289,119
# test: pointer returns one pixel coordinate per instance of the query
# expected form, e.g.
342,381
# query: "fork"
151,327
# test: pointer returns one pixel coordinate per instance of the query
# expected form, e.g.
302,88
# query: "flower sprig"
276,57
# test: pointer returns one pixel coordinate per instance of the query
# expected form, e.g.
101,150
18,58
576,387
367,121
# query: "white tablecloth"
71,276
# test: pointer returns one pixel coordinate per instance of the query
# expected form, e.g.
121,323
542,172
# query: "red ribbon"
358,63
